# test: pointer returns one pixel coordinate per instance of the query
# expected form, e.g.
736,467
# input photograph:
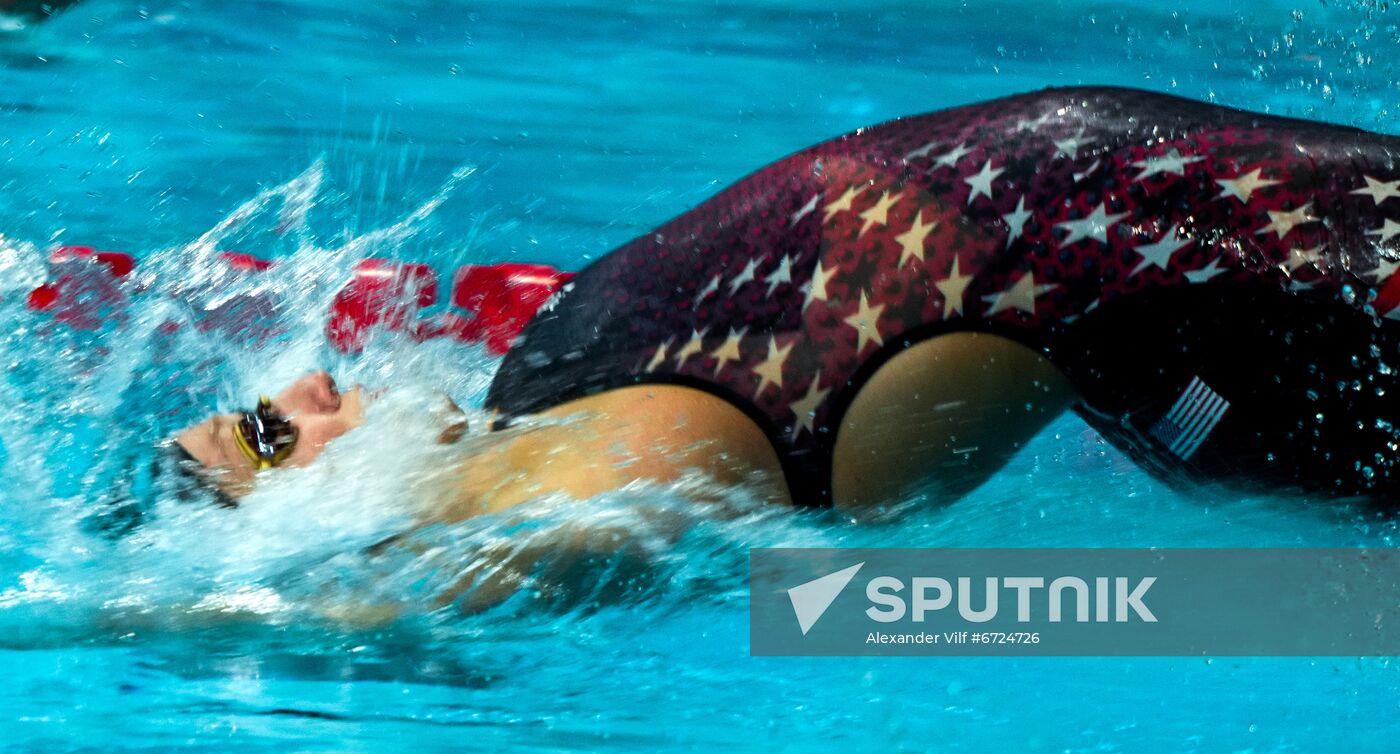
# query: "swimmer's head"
291,429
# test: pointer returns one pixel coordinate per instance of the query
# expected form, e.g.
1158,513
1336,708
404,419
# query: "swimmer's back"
1182,263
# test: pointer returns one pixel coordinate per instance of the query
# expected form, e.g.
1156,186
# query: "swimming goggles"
264,436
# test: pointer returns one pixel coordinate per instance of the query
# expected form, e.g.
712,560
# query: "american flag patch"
1191,419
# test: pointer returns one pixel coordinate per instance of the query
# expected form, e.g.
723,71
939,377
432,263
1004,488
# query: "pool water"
319,133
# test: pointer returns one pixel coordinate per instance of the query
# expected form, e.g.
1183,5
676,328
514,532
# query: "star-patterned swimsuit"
1217,284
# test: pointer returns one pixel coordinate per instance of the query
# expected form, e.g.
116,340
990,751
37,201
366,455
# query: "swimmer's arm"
604,442
578,451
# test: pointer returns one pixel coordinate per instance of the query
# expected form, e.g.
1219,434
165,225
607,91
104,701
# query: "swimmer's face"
318,410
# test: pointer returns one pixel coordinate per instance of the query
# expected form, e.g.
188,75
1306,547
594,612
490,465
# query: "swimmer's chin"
392,412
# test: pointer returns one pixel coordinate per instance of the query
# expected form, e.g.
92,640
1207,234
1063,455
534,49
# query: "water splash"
344,543
309,545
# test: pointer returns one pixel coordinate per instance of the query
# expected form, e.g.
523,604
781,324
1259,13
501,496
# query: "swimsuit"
1216,284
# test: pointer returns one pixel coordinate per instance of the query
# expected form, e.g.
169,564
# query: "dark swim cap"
194,479
126,501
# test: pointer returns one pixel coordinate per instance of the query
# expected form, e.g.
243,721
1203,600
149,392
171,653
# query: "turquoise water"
448,132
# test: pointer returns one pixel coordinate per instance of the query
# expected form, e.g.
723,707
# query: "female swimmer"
900,308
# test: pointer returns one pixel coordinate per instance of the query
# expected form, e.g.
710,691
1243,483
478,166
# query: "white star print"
953,287
1159,254
1282,223
1070,147
1021,295
1171,162
951,157
659,358
911,241
728,350
1243,187
1016,221
781,275
982,182
1205,273
1300,257
816,287
921,151
1088,172
844,202
1379,191
747,276
807,209
1071,318
1033,124
879,214
693,346
866,321
770,371
1384,269
709,288
1387,231
805,409
1094,226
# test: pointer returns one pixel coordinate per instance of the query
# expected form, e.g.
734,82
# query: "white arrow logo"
811,599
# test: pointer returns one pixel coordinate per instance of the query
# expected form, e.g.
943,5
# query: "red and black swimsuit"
1215,283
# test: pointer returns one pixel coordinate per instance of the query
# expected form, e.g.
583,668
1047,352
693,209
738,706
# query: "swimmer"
898,310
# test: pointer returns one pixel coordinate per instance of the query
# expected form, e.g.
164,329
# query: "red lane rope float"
489,304
503,298
83,291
